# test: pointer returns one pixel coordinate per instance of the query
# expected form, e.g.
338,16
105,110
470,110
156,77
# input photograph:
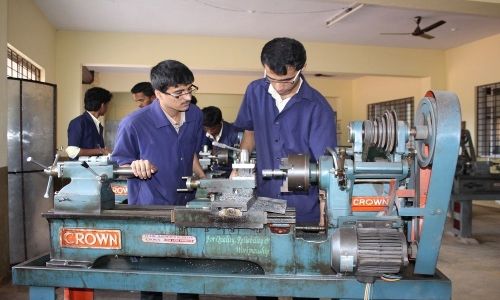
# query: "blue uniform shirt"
148,134
306,125
82,133
229,136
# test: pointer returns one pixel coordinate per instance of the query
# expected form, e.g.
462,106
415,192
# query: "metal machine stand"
474,180
384,222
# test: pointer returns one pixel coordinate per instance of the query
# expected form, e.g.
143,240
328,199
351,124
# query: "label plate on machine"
169,239
90,238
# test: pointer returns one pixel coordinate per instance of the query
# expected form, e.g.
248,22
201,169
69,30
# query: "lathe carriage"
382,229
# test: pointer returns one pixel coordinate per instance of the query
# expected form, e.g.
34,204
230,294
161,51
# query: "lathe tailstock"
384,222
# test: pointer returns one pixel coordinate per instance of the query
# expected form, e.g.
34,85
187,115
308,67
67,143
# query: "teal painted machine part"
120,274
274,253
203,248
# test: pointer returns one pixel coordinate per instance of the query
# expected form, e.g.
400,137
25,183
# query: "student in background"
85,132
216,129
143,94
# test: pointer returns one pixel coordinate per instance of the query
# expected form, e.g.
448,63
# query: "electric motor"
368,251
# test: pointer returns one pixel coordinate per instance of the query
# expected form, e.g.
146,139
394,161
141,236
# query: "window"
488,120
19,66
404,109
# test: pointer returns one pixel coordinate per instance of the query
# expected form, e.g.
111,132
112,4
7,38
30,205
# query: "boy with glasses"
161,141
282,115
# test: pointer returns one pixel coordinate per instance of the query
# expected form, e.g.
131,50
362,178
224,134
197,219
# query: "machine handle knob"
49,184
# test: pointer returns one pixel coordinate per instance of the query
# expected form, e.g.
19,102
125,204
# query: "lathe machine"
380,239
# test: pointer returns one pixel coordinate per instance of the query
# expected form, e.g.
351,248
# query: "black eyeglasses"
191,90
287,80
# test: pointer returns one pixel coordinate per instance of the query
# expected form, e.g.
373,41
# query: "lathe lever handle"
49,184
224,146
86,166
31,160
47,170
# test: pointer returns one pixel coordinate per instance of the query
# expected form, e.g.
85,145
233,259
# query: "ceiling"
304,20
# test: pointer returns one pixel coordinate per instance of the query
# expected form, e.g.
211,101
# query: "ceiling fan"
419,31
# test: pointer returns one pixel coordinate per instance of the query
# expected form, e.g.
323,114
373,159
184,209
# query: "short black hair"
281,52
170,73
143,87
193,99
212,116
95,97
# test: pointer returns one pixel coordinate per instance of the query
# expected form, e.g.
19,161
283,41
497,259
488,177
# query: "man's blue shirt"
148,134
82,133
306,125
229,136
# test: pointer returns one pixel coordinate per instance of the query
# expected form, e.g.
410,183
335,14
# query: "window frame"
488,120
400,106
22,67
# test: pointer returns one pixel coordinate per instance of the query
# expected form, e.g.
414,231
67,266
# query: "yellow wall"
372,89
75,49
458,70
26,28
468,66
224,91
339,94
29,31
121,105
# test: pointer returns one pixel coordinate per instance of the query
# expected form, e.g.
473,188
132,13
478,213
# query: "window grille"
20,67
404,109
488,120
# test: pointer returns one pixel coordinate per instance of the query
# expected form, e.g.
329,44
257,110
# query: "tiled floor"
473,268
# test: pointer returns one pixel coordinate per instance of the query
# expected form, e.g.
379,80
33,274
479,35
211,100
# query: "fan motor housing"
368,251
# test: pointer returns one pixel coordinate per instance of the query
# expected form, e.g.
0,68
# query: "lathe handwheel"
426,116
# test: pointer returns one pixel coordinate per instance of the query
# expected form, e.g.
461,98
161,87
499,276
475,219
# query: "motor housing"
368,251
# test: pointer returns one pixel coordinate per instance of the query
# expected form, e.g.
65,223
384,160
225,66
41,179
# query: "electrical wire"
391,277
368,291
242,10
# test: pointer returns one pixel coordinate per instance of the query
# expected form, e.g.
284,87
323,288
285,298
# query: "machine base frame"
44,280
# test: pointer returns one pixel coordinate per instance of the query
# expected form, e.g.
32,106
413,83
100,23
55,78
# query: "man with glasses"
282,115
161,141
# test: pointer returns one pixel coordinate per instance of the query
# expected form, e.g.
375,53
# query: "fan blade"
430,27
426,36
